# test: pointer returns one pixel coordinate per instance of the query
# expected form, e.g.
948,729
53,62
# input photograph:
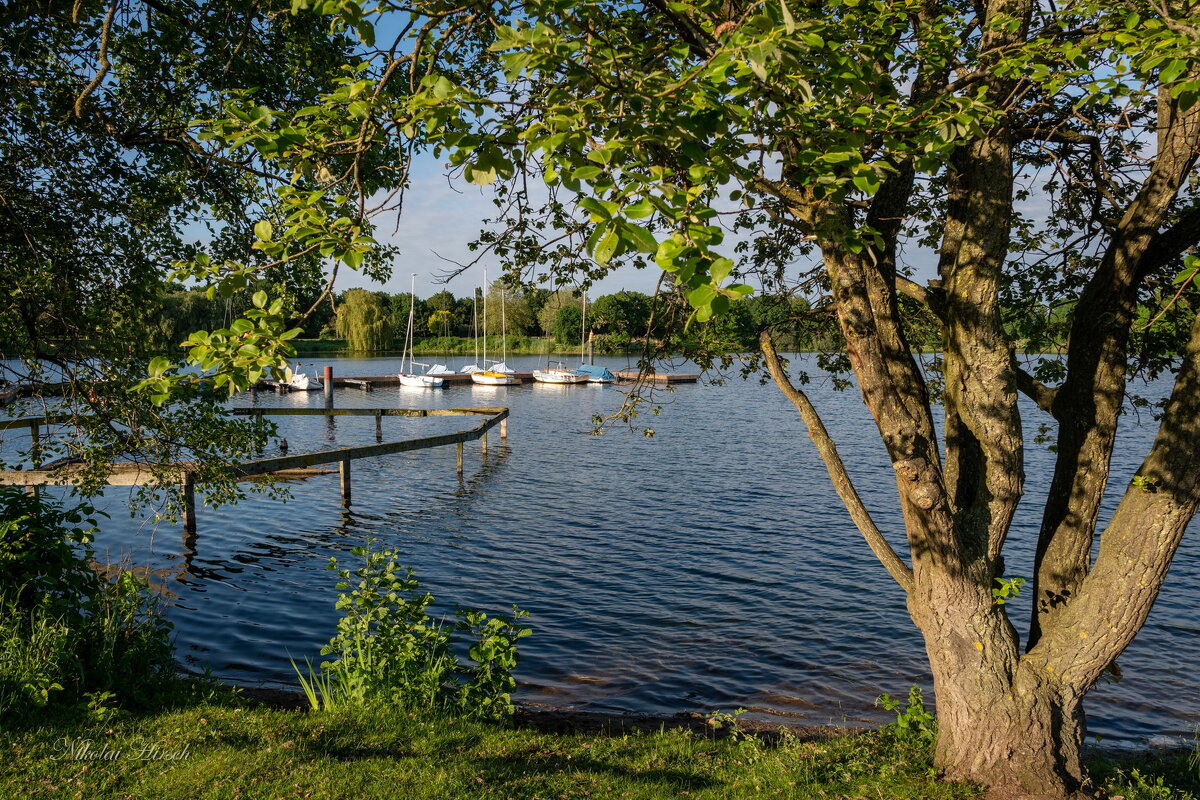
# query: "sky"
441,219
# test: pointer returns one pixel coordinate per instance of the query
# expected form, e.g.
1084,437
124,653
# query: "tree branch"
837,469
105,30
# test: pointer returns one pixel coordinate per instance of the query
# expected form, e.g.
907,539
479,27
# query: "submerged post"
188,490
344,470
459,448
35,445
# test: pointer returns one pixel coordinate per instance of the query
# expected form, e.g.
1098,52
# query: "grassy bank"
234,750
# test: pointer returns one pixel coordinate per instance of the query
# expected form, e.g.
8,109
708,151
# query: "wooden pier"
301,465
667,378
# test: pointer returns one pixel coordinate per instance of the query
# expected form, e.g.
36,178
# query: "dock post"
344,469
379,426
483,445
459,448
504,430
188,489
35,445
591,350
328,383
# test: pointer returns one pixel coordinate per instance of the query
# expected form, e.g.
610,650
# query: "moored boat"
559,374
410,377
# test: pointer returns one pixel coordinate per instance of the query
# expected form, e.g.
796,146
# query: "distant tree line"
623,321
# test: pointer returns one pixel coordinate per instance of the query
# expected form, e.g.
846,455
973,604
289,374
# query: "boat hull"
494,379
420,381
558,376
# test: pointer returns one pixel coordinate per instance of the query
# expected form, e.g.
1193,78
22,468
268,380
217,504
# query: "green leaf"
586,173
720,269
641,238
263,230
789,23
599,212
259,299
640,209
606,247
701,296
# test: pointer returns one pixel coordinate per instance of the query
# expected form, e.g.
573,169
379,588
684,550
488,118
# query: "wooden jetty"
301,465
667,378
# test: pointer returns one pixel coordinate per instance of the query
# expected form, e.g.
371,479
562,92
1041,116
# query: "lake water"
708,568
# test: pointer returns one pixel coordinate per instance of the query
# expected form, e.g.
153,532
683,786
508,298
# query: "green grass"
233,751
245,752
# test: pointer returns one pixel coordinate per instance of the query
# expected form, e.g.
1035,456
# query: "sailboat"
561,374
474,367
411,378
500,373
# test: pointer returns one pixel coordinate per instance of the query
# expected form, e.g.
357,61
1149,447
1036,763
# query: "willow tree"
363,321
1047,154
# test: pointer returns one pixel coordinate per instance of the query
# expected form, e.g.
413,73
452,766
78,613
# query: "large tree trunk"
1020,735
1004,721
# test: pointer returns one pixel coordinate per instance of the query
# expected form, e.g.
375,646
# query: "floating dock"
633,376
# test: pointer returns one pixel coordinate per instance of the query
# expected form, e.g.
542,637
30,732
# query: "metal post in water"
35,445
344,470
188,489
328,384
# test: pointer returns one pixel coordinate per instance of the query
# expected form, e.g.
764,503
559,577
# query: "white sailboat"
500,374
410,377
561,374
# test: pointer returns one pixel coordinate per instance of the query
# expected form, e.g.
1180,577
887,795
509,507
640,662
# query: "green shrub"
68,636
388,648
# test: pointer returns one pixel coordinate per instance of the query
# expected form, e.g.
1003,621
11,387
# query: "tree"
363,321
845,131
624,312
506,310
554,303
104,182
568,325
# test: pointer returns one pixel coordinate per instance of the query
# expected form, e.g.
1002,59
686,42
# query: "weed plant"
69,637
388,649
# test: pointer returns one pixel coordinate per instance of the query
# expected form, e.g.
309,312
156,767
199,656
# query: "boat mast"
485,288
583,330
408,337
503,329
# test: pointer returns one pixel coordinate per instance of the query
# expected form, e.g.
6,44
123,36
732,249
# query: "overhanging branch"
837,470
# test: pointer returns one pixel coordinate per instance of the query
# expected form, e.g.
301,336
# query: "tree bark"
1020,735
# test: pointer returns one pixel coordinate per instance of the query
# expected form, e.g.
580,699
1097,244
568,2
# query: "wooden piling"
379,426
35,445
188,489
344,471
328,383
504,430
459,448
483,445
